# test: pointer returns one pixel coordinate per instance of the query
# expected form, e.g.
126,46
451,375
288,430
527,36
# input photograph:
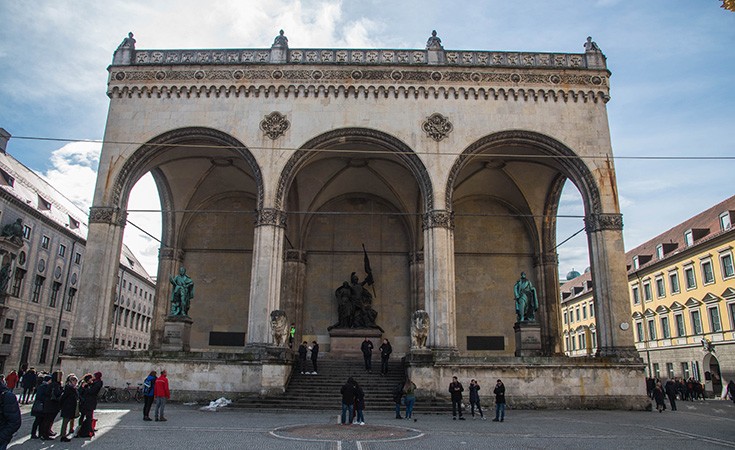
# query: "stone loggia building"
274,165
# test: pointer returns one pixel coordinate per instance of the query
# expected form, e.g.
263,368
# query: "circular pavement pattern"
335,432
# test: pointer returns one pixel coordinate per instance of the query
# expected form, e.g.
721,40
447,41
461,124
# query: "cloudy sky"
672,64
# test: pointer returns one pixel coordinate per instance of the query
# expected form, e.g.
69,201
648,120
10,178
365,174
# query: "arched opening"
712,375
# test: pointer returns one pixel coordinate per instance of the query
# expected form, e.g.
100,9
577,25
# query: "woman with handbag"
42,393
69,407
52,405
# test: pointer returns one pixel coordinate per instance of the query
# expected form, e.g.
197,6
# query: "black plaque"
226,339
485,343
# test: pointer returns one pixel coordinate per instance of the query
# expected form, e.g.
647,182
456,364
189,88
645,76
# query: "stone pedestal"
177,334
347,341
528,338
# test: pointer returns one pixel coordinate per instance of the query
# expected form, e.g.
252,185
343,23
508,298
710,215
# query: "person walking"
348,398
409,389
731,390
475,399
499,392
302,357
52,405
149,385
359,404
69,406
161,393
28,383
658,395
367,353
397,397
670,389
314,356
385,351
10,419
11,380
42,394
456,389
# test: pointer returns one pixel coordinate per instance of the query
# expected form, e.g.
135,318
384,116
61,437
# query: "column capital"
438,218
294,255
544,259
171,254
415,258
603,221
108,215
270,216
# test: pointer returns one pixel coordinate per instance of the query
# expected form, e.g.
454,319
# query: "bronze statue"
526,300
4,278
182,294
128,42
280,41
14,231
433,43
355,305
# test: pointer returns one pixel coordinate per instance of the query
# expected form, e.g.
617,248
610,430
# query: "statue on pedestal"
526,299
355,305
182,294
14,231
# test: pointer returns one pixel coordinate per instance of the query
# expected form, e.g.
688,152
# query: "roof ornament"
281,41
591,46
434,43
128,42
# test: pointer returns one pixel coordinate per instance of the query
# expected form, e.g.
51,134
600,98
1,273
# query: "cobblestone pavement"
697,425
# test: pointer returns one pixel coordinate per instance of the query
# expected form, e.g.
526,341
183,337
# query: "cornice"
22,206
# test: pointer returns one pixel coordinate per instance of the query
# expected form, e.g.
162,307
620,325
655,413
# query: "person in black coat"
42,394
367,353
658,395
52,405
314,356
88,393
28,383
385,351
9,415
456,389
348,398
670,388
475,399
499,392
69,407
302,357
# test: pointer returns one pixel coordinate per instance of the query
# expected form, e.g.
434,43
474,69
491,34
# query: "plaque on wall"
485,342
226,339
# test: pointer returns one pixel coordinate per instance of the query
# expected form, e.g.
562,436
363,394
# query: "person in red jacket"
11,380
161,394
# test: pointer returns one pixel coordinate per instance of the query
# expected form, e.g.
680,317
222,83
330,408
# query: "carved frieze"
296,256
603,221
437,126
270,216
108,215
274,125
171,254
438,218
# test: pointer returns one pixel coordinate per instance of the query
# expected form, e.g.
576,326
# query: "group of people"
684,390
304,349
353,403
155,390
367,354
456,389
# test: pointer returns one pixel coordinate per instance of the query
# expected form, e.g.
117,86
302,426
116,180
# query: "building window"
45,241
64,332
651,329
6,338
647,291
584,311
639,331
696,322
636,263
17,282
30,326
566,318
27,232
592,310
665,332
62,250
727,266
688,238
44,351
636,296
577,313
70,298
62,346
660,289
732,316
674,282
725,223
714,319
695,370
660,251
77,258
54,294
37,286
594,339
574,343
670,370
9,324
708,275
680,329
691,280
685,370
580,339
656,370
47,330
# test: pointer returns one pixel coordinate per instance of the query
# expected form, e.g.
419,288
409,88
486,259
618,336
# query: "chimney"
4,138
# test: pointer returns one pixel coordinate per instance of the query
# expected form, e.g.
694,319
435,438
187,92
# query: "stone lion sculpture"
279,327
419,328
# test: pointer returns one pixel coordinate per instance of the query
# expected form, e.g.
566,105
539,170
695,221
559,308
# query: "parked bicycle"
113,395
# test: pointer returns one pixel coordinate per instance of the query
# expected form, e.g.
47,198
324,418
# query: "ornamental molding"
274,125
171,254
270,216
108,215
438,218
437,126
298,256
603,221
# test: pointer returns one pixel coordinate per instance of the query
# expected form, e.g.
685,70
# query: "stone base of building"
347,341
193,376
528,338
537,382
177,334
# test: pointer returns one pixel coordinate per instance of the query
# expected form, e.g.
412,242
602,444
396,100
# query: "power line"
388,152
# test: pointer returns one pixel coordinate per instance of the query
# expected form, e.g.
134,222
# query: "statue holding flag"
355,302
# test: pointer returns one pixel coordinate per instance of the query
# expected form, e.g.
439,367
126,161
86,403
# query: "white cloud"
74,170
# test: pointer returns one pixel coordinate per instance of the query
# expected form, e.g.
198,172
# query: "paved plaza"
699,425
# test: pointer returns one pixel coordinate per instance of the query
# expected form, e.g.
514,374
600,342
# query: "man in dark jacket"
302,357
28,383
499,392
670,389
314,356
456,389
148,388
9,416
348,398
367,353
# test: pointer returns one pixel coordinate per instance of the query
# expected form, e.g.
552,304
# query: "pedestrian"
409,389
456,389
88,391
475,399
385,351
149,385
52,405
499,392
291,335
670,389
69,405
10,418
731,390
11,380
658,395
314,356
302,357
397,397
359,404
42,394
28,383
367,353
348,398
161,393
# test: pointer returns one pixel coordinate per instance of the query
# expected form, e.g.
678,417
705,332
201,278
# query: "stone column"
439,280
265,280
294,284
169,260
547,269
416,271
612,310
93,323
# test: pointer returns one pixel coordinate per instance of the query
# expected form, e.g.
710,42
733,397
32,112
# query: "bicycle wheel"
124,395
138,395
111,396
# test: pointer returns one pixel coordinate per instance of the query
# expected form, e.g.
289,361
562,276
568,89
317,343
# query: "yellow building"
579,327
682,297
